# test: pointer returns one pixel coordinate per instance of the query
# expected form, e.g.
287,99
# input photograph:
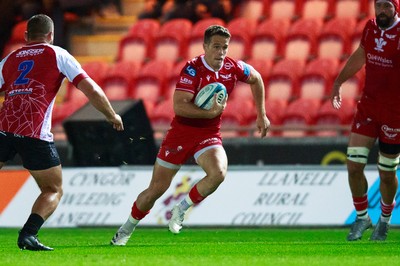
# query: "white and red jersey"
197,73
382,50
31,76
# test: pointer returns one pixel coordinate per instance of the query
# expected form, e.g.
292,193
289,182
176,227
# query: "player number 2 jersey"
31,77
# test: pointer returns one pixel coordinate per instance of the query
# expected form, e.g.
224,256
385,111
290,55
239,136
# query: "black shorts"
36,154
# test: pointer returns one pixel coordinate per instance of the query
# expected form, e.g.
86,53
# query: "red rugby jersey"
197,73
31,77
382,50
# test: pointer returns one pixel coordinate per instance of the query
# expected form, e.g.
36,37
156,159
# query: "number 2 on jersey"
25,67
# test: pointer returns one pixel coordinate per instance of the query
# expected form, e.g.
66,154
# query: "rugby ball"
205,98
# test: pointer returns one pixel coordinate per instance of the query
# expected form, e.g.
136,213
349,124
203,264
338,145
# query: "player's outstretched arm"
99,100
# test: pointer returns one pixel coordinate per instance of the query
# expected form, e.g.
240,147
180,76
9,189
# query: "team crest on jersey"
228,65
379,44
390,36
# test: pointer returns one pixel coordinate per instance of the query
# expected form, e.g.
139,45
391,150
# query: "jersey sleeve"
188,78
70,67
243,71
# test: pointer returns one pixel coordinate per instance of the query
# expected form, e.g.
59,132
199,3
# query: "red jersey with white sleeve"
382,50
197,73
31,76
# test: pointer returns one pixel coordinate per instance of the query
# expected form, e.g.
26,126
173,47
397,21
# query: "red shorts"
377,121
182,142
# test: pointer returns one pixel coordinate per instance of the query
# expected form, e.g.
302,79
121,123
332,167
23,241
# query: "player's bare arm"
258,91
183,106
99,100
353,65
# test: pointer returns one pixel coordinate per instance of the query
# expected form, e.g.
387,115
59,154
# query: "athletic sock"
195,196
185,204
134,218
386,213
33,224
361,206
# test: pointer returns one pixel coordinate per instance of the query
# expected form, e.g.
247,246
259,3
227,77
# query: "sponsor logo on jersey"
390,36
186,81
389,132
20,91
30,52
190,71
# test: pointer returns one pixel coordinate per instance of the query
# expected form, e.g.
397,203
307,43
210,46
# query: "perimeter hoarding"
249,196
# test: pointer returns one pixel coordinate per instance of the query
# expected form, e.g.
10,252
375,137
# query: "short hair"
39,25
215,30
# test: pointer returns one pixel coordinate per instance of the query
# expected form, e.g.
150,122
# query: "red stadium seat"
195,45
350,9
333,41
138,44
317,79
329,116
17,38
267,41
300,41
241,30
352,88
252,9
117,82
233,117
282,9
171,79
298,116
317,9
356,35
243,90
171,41
283,81
161,117
150,81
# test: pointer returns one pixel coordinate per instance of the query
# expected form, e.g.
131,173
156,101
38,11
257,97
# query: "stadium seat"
333,40
282,9
328,116
117,82
267,41
138,44
171,80
195,43
350,9
150,81
96,70
298,116
357,34
17,38
317,79
317,9
241,29
252,9
243,90
283,81
161,117
171,41
233,119
352,88
300,41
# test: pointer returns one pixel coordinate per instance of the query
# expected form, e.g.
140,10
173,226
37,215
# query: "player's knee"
388,164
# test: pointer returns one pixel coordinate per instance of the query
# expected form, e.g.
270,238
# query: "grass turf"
199,246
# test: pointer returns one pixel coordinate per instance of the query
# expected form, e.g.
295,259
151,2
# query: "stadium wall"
283,195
